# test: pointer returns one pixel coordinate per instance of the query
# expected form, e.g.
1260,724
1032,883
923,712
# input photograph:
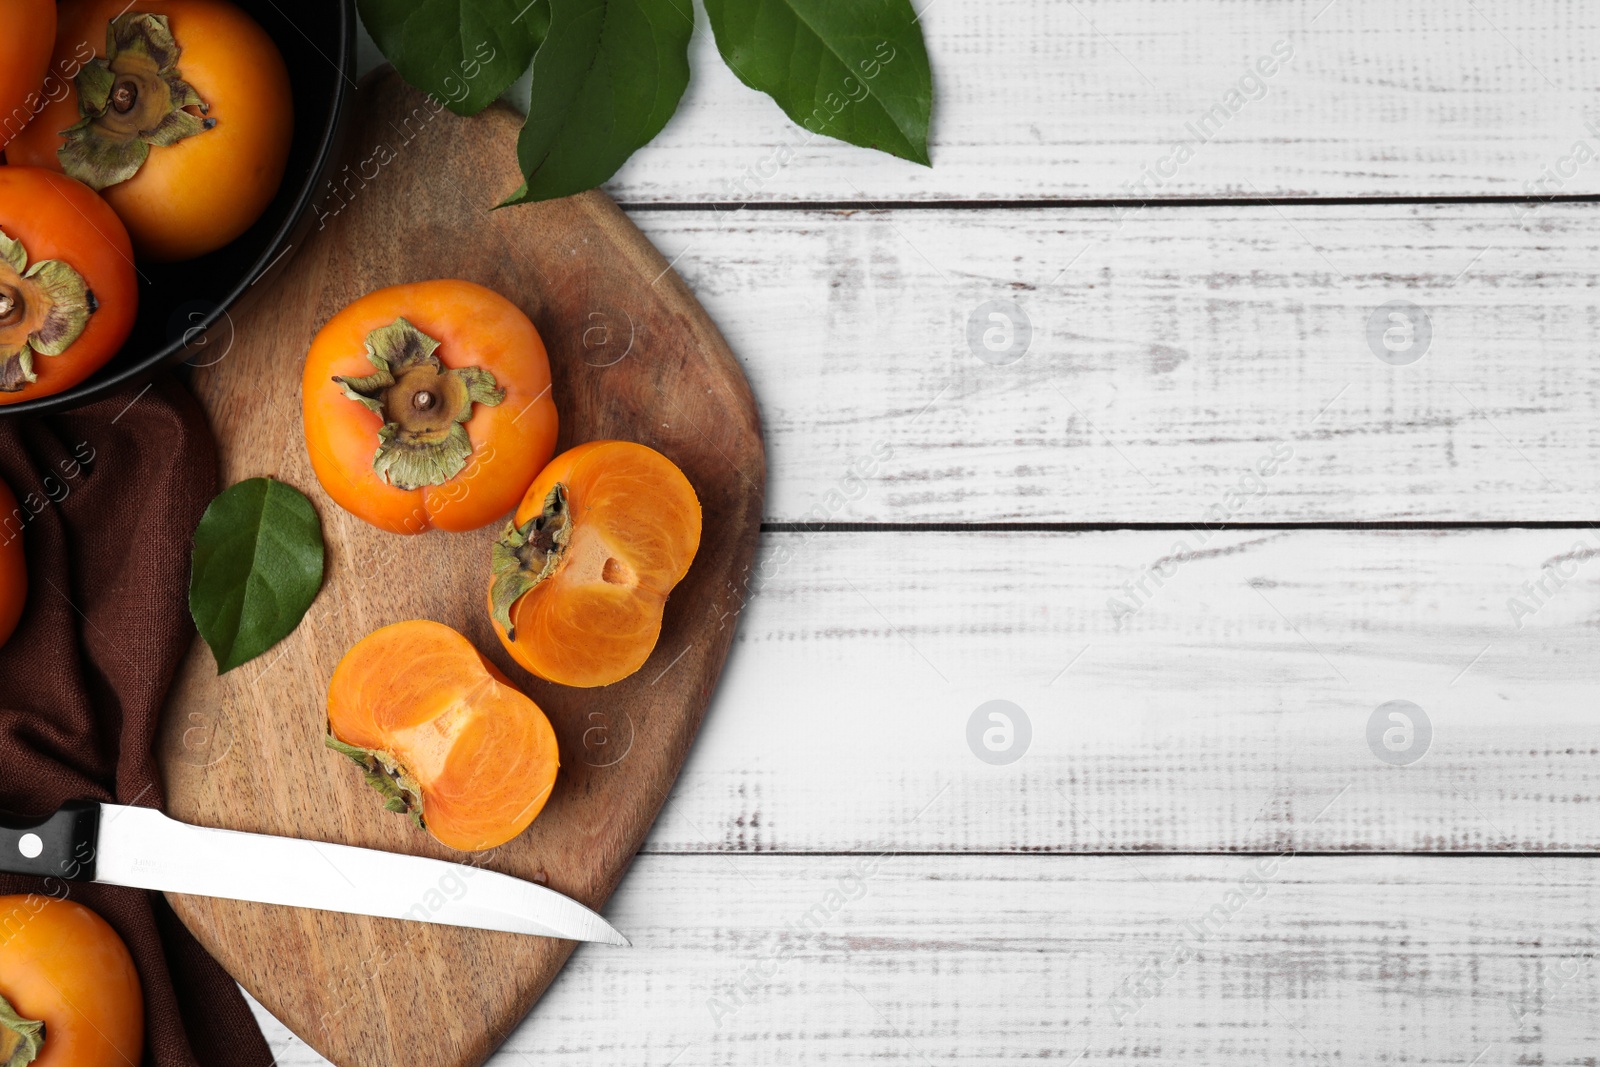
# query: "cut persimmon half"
583,571
442,734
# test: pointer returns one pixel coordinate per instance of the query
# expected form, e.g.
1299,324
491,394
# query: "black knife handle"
60,845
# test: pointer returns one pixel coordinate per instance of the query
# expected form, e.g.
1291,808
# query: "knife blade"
141,848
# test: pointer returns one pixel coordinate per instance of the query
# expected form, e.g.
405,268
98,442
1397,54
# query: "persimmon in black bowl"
140,93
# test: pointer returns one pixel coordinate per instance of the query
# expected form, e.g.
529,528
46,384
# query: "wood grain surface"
1170,349
889,957
1216,711
634,357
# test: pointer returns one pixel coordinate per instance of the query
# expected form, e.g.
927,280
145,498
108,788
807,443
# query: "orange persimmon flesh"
466,752
630,522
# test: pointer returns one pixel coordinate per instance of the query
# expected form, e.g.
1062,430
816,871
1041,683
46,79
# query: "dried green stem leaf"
23,1038
424,404
130,100
16,368
383,772
43,309
69,306
528,554
12,253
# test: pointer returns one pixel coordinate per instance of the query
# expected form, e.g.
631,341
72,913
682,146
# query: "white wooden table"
1219,511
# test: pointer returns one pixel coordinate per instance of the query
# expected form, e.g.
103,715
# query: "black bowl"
183,306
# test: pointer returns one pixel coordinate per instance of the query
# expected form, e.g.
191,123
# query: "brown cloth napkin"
110,496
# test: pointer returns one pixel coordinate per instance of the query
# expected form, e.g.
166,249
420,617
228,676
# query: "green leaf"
607,78
464,53
852,69
27,1035
257,568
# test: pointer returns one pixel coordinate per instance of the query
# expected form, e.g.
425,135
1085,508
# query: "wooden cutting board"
634,356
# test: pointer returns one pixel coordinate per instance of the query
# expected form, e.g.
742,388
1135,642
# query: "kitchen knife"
86,841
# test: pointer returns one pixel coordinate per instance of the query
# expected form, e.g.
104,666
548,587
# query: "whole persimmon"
25,46
69,993
442,734
582,573
68,292
182,121
13,568
428,405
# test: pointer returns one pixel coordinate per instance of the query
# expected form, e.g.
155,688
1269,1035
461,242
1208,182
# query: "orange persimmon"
183,120
428,405
25,46
68,292
442,734
582,573
69,992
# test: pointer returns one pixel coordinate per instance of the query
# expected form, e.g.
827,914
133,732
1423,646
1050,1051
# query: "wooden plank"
1173,352
921,960
1092,99
1217,710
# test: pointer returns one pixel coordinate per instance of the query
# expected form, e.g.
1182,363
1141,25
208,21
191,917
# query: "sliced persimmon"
583,571
442,734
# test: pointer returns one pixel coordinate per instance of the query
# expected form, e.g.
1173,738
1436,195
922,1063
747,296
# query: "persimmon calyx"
21,1040
400,791
528,554
424,405
129,101
43,309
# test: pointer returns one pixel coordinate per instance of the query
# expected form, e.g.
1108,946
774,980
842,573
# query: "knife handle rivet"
30,845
